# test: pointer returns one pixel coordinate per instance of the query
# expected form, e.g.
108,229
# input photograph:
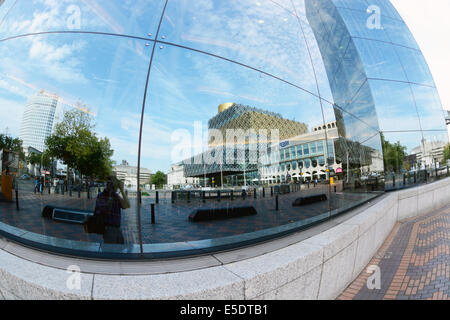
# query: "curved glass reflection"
152,129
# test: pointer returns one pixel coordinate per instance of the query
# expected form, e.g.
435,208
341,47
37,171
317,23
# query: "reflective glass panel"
360,5
113,16
406,159
380,60
429,107
200,107
357,21
75,106
398,33
262,35
416,68
5,7
395,105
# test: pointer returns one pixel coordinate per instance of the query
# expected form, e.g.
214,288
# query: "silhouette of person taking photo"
109,205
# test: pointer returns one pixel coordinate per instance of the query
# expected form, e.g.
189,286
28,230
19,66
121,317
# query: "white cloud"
48,53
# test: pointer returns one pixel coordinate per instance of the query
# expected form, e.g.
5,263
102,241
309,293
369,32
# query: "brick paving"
414,262
172,224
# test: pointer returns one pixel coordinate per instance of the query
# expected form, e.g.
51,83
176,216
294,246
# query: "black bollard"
254,193
219,196
277,208
49,189
17,199
271,191
232,195
264,193
157,197
335,189
172,196
153,213
404,179
393,181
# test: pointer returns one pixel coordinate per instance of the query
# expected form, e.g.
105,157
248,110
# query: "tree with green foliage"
8,143
77,145
33,159
92,155
42,160
159,179
75,126
394,155
446,153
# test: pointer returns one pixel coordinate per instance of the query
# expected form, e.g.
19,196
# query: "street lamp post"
40,173
245,174
221,175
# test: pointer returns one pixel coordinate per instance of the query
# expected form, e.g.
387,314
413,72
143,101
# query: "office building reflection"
38,121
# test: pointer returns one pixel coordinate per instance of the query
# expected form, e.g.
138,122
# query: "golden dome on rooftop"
225,106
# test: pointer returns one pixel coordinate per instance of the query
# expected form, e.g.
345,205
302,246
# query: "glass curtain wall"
380,76
185,127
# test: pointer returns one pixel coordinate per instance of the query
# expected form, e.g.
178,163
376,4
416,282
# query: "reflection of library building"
240,118
302,157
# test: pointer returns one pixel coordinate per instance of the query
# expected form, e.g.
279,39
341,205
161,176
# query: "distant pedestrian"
61,185
55,185
41,185
37,185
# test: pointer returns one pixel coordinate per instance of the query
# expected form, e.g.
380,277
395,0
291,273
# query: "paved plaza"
172,223
414,262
